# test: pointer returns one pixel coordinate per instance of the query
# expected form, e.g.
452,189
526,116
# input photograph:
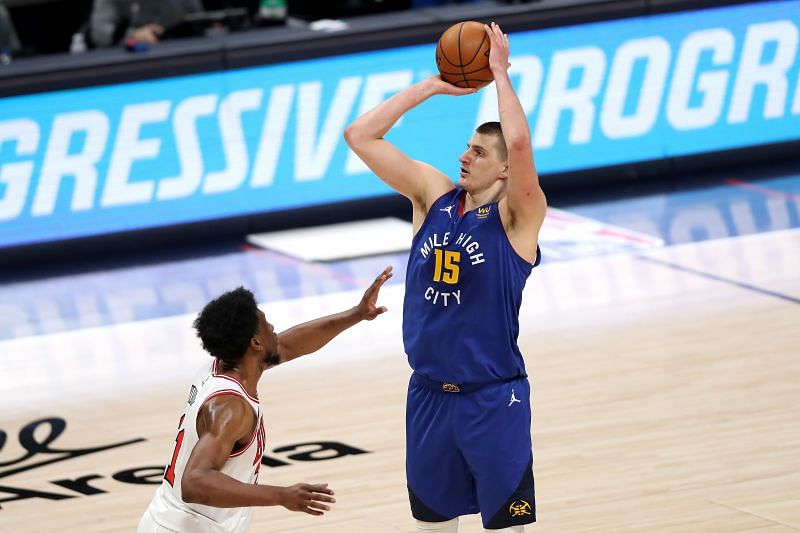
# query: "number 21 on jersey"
169,473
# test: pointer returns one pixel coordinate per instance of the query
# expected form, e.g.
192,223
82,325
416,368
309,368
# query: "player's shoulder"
433,177
218,391
227,399
226,415
435,184
229,402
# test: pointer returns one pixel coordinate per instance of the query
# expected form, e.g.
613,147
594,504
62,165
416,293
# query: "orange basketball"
462,55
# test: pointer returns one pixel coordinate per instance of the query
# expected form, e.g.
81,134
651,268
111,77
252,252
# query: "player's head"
493,129
231,324
485,160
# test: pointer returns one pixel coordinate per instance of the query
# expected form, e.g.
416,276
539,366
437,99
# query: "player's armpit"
527,204
523,211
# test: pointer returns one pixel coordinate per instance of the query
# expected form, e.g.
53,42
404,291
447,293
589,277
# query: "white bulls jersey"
167,509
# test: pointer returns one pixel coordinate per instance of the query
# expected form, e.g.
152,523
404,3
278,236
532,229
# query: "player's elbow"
539,197
519,142
191,491
353,135
359,136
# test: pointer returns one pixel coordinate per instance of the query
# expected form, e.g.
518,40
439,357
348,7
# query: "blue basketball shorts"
470,452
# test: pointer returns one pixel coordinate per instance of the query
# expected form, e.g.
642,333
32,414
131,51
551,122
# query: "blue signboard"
139,155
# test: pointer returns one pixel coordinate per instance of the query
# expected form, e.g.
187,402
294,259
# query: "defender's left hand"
498,55
367,306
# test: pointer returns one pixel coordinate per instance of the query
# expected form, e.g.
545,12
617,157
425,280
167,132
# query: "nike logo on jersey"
513,398
448,210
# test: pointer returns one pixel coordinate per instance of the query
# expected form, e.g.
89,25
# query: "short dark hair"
493,128
227,323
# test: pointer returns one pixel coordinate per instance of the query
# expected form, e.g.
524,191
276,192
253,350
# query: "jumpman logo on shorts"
448,209
513,398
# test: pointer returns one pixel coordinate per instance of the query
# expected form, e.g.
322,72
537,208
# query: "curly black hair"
227,323
493,128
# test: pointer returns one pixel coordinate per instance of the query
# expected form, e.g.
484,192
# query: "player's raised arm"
525,198
310,336
417,181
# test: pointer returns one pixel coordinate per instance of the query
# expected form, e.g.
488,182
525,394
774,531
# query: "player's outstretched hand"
308,498
367,307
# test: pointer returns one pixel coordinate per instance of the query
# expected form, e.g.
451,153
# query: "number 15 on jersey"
446,267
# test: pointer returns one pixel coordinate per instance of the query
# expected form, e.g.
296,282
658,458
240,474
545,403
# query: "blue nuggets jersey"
464,287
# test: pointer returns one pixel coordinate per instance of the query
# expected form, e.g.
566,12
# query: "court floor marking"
320,268
721,279
751,513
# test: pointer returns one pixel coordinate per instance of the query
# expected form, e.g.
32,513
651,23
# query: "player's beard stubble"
272,359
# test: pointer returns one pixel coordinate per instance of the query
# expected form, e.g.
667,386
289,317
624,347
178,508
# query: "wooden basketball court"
666,398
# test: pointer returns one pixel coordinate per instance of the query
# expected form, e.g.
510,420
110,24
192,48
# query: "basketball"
462,55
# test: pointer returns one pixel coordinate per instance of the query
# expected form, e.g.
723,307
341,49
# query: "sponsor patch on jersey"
483,211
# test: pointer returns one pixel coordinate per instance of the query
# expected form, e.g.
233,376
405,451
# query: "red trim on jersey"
252,440
232,392
216,374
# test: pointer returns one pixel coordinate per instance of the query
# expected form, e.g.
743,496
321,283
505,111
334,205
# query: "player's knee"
450,526
511,529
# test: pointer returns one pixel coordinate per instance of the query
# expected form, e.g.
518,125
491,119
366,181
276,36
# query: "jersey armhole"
237,448
422,226
536,260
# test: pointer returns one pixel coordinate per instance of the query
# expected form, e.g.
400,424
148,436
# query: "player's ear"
255,344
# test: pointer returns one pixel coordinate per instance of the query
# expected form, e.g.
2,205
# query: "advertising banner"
163,152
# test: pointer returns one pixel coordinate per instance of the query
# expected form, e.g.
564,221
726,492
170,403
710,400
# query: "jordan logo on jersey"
448,210
513,398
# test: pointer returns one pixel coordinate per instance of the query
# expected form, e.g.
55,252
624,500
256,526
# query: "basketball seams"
477,50
441,49
460,59
449,73
458,83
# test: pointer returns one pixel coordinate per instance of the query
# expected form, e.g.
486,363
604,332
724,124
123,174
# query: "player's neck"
471,200
247,372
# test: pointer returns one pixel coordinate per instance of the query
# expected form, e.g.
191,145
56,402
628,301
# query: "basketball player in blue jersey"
468,413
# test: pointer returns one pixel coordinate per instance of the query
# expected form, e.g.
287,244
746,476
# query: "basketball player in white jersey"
210,484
